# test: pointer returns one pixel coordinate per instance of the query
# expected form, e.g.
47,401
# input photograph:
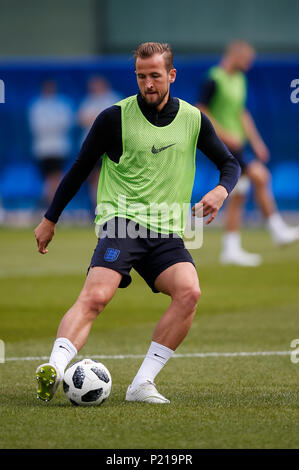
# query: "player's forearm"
229,174
210,144
65,192
250,129
71,183
93,147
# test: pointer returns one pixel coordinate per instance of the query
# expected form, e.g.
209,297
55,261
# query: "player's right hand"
44,233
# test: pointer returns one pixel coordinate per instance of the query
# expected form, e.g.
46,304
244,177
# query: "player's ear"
172,75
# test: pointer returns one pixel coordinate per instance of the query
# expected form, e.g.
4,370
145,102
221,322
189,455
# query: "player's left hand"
210,203
262,152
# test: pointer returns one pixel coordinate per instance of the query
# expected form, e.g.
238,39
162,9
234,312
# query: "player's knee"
195,295
264,178
188,298
94,302
261,177
98,301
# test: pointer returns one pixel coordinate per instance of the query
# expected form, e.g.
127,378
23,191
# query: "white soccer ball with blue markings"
87,382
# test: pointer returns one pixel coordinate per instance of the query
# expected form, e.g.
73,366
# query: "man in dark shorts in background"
148,145
223,100
51,119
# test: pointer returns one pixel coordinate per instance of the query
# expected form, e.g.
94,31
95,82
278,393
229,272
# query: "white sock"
154,361
62,353
231,242
276,224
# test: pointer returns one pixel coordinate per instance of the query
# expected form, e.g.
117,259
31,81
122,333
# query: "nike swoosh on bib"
154,150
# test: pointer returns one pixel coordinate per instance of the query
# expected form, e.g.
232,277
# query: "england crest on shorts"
111,254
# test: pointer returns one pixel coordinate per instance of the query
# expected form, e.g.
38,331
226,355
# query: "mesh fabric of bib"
152,183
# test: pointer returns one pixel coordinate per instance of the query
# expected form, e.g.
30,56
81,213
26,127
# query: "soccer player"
147,143
223,100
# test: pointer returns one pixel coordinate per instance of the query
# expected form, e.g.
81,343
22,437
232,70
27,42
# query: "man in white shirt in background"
51,119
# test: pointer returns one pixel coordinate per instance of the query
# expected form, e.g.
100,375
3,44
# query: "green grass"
216,402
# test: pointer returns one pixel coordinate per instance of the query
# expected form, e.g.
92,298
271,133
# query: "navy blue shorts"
244,158
148,255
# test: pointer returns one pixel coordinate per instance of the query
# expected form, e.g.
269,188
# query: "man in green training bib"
147,143
223,100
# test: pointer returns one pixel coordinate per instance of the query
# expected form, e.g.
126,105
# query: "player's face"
154,80
245,60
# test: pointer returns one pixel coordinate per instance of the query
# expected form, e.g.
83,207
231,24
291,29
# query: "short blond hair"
148,49
239,46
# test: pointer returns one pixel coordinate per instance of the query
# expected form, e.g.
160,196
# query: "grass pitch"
217,401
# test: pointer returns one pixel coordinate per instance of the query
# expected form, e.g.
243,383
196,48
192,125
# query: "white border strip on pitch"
140,356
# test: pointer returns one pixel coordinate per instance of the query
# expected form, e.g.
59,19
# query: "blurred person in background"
223,100
51,119
99,97
2,212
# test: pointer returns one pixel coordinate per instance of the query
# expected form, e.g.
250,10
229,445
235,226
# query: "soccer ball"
87,383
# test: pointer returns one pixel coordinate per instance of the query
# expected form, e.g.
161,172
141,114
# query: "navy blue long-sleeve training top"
105,136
